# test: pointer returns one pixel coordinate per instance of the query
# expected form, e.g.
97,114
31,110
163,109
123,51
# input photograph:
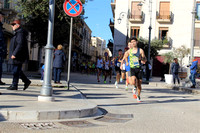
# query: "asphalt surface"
162,110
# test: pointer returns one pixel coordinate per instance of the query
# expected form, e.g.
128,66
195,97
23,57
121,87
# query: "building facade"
169,19
100,45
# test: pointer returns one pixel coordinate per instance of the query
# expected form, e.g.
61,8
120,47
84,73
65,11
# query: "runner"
110,69
127,68
106,69
99,67
137,57
117,67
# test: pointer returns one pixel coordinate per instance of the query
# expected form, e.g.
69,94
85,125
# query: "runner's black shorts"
118,70
137,72
123,71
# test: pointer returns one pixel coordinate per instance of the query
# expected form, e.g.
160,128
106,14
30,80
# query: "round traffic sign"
73,8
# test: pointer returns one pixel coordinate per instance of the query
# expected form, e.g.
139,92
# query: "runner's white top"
99,63
107,65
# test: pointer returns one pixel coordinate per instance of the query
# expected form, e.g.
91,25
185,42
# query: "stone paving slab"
24,105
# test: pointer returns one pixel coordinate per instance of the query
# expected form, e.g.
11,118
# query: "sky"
99,13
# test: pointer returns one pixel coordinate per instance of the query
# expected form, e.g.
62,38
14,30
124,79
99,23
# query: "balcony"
167,43
197,44
113,4
136,17
112,27
164,17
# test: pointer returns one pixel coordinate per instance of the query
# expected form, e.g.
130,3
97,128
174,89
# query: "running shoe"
138,99
116,84
134,93
104,82
110,81
98,81
121,80
126,88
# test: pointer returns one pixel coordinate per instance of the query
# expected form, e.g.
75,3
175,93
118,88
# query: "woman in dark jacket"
58,63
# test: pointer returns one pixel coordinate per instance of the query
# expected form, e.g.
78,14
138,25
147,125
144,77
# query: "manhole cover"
119,115
38,126
112,120
78,124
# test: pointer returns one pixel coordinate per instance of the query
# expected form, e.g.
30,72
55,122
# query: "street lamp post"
47,91
150,27
193,32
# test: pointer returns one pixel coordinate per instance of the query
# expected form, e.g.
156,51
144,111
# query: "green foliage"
36,13
168,57
179,53
156,45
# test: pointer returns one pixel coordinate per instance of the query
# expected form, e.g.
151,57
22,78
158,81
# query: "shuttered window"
135,11
164,10
197,37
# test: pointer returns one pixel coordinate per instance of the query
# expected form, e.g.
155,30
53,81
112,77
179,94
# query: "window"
198,11
163,33
135,32
164,10
6,4
135,11
197,37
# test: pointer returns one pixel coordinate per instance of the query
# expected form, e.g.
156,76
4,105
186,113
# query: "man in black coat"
3,48
18,54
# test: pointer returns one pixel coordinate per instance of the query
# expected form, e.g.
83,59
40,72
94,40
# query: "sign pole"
69,58
46,90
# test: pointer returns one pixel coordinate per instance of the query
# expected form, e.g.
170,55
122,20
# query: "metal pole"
150,27
193,32
69,58
46,90
149,46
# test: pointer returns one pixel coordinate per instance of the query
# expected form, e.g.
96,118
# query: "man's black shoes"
26,85
12,88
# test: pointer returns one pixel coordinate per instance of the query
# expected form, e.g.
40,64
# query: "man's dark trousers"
18,73
1,63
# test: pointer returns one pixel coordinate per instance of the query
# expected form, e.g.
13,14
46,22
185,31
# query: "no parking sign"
73,8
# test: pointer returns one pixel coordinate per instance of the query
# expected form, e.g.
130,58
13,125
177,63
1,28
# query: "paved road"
161,111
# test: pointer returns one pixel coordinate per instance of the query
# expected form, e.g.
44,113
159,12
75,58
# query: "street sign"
73,8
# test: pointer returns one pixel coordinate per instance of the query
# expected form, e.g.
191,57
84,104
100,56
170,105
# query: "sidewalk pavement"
24,105
155,81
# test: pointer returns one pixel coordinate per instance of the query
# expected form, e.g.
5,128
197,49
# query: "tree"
156,45
36,12
179,53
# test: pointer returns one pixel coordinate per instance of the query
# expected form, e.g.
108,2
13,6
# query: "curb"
48,115
188,90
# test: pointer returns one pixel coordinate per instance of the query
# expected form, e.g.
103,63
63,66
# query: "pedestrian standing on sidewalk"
3,47
148,70
193,72
174,70
58,63
18,54
42,72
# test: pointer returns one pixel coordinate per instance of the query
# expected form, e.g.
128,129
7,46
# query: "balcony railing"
113,1
136,16
197,43
164,16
